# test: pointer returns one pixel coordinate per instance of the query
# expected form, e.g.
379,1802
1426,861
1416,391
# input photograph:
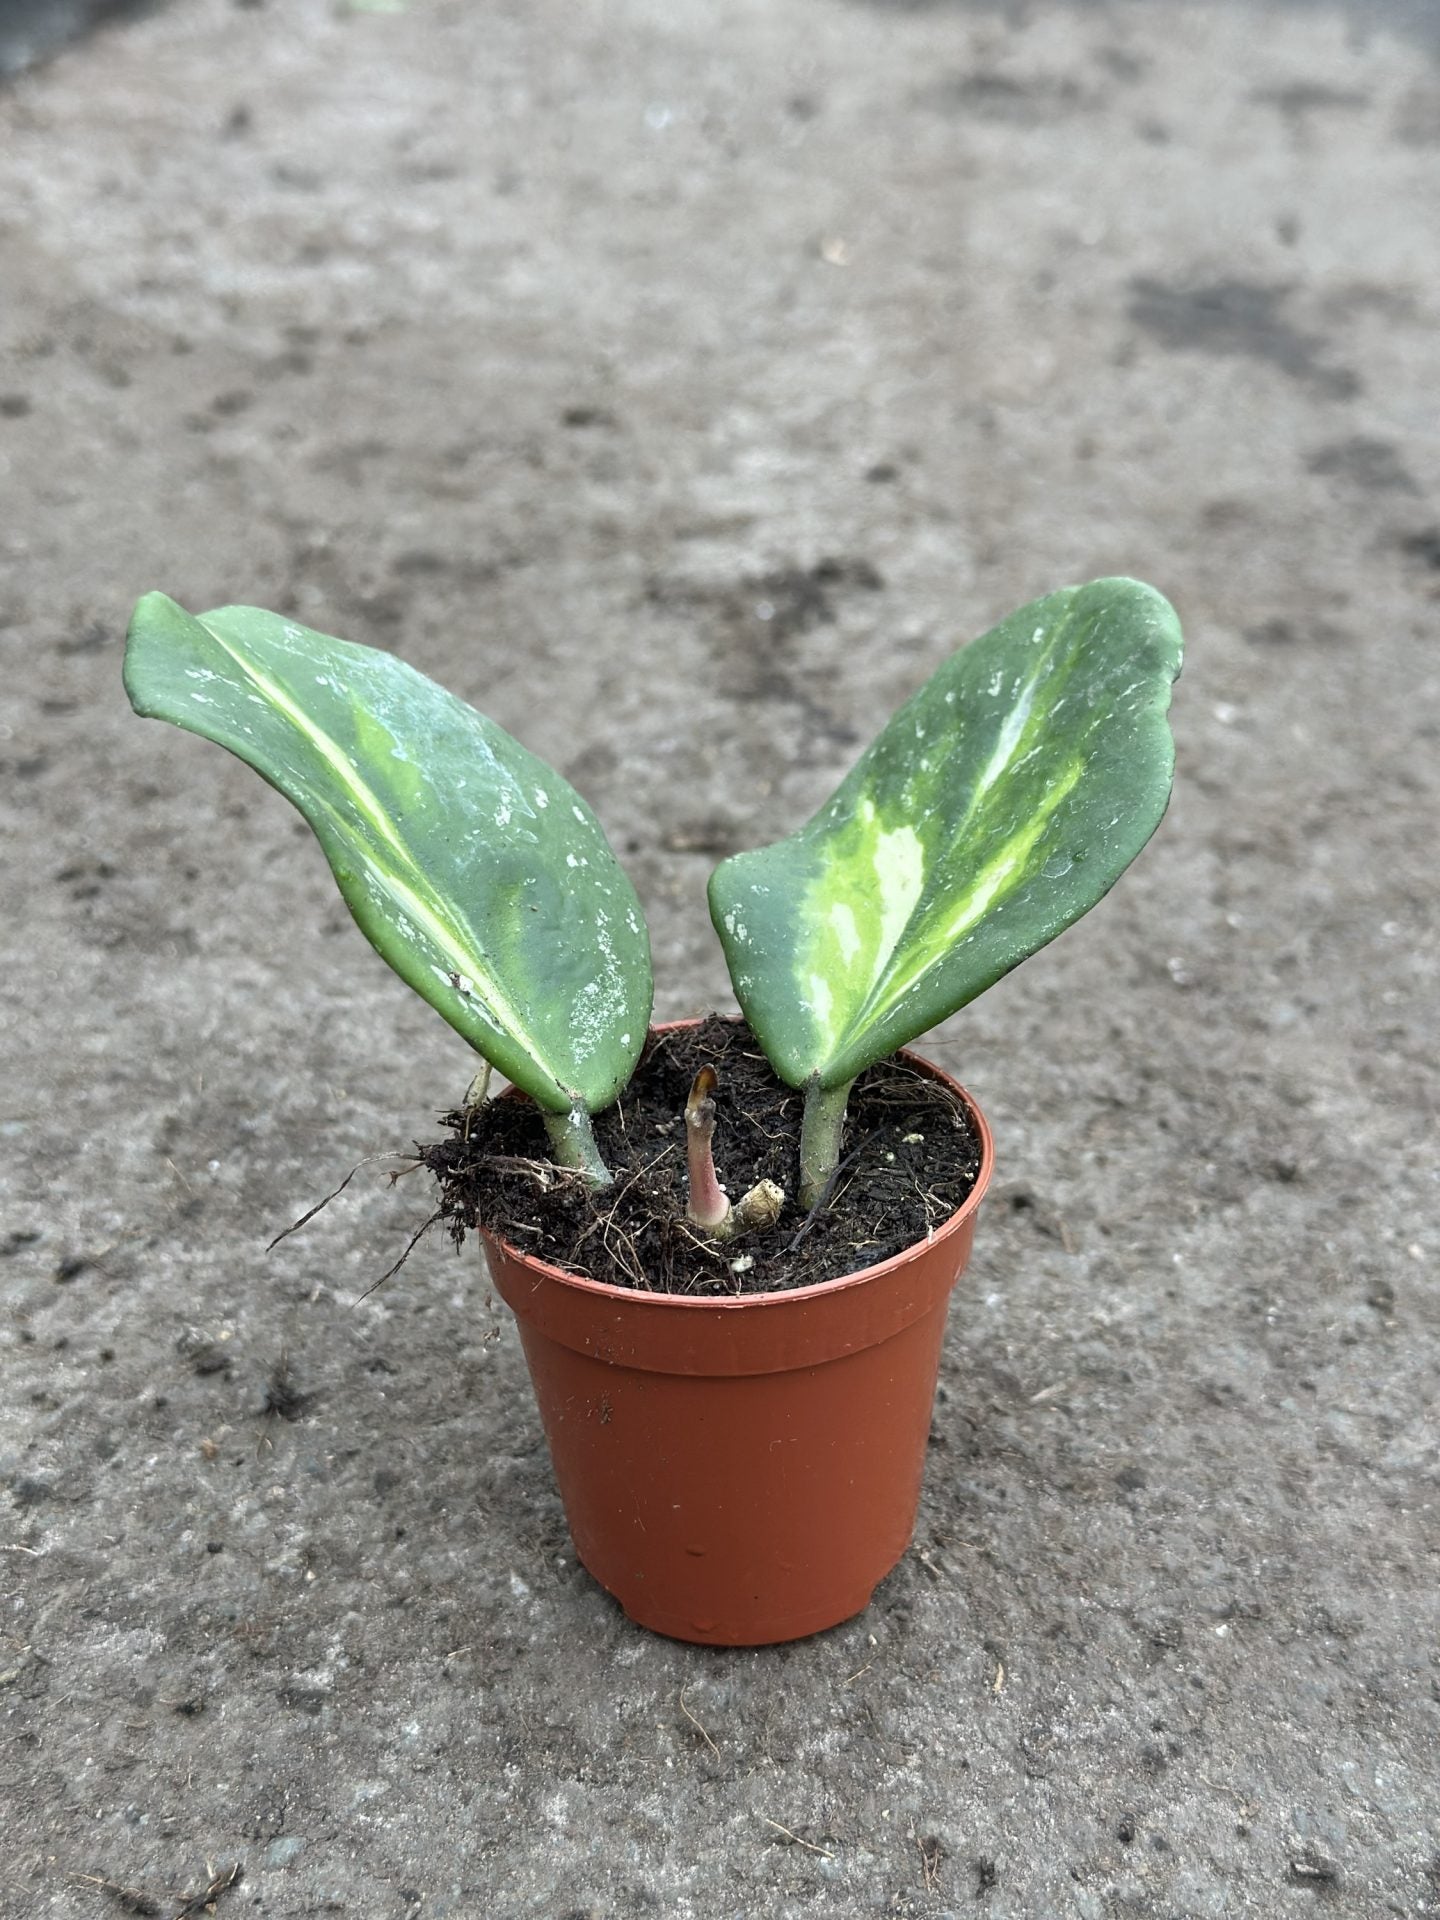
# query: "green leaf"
998,805
474,869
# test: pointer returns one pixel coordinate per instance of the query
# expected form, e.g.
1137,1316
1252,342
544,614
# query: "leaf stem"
820,1135
572,1139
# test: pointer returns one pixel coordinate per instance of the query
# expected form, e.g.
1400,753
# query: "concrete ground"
551,344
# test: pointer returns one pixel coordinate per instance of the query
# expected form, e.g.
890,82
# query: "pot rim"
776,1297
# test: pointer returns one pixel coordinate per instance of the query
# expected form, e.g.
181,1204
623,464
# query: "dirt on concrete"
680,383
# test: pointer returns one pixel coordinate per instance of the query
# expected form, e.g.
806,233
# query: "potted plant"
740,1463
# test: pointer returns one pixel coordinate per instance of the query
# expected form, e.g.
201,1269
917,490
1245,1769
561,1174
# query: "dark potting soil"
910,1157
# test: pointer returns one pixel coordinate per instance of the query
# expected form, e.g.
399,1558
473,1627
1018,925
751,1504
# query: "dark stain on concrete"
33,30
1244,318
1281,630
1032,99
1423,546
757,623
1372,465
1417,20
1306,96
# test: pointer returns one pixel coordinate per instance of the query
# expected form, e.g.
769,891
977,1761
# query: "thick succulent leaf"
997,806
477,872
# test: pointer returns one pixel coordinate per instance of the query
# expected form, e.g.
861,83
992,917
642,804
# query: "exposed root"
414,1242
321,1205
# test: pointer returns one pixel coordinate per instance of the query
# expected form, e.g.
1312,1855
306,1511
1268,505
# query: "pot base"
754,1633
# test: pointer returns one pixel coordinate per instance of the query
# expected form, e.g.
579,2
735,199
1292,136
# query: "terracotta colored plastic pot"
745,1470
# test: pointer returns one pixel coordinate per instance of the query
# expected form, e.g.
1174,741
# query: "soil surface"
680,382
909,1159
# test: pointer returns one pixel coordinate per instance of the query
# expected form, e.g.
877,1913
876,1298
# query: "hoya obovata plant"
998,805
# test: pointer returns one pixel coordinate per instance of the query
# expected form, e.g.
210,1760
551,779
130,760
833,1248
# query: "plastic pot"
742,1471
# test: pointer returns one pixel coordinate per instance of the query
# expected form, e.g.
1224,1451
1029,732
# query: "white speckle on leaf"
578,815
542,799
589,1027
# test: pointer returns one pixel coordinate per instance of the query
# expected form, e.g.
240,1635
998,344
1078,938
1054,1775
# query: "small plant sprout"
998,805
709,1206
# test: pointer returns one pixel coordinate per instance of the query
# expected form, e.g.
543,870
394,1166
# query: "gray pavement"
557,346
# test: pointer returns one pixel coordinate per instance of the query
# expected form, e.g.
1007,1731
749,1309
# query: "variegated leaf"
996,807
477,872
